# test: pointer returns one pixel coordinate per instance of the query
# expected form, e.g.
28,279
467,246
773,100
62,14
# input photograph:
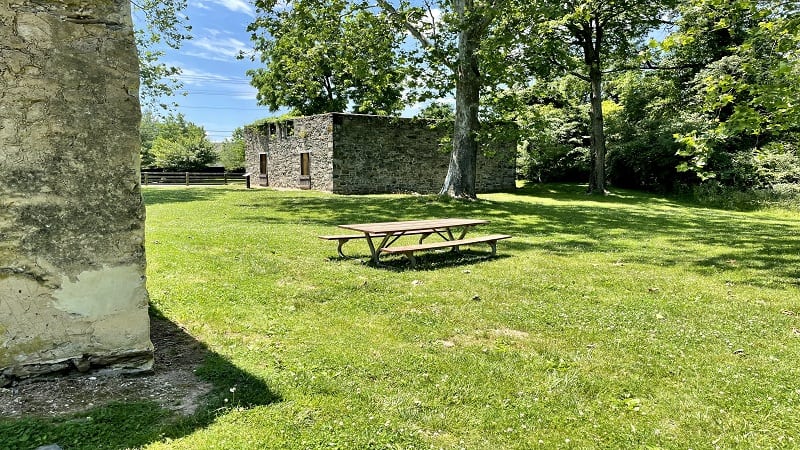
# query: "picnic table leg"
339,248
376,252
372,248
460,236
411,259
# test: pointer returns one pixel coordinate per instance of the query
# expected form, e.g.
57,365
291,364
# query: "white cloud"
237,6
193,77
200,82
216,48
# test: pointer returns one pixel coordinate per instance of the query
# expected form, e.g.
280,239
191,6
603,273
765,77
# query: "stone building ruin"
364,154
72,263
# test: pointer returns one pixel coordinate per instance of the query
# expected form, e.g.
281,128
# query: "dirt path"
173,384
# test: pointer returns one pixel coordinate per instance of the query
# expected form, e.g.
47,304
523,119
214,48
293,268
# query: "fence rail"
188,178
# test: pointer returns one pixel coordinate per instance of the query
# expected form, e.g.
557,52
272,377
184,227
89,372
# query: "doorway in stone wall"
305,170
263,180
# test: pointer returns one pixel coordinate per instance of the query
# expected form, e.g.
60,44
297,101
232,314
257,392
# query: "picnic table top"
412,225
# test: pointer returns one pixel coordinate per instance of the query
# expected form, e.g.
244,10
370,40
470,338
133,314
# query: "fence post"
226,177
146,178
187,178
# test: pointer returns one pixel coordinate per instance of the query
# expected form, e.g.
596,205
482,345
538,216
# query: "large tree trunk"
597,178
461,174
592,45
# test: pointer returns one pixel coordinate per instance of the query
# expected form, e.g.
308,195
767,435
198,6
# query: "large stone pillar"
72,284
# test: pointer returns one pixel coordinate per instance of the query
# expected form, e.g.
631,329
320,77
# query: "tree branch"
416,32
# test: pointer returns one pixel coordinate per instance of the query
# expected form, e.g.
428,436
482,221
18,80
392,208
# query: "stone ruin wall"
378,154
362,154
72,264
283,142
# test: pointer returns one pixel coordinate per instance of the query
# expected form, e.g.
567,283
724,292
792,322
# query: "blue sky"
219,96
218,93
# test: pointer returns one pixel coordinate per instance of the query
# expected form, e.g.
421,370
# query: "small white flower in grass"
233,389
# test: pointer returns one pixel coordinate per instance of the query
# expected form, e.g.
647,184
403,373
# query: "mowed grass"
627,321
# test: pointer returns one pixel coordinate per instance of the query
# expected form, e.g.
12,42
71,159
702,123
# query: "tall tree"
335,73
588,38
326,56
464,26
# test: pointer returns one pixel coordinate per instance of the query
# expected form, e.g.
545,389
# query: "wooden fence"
188,178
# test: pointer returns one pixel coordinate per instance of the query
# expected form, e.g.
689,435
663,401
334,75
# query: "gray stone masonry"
362,154
72,263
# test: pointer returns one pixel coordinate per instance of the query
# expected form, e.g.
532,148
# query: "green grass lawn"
628,321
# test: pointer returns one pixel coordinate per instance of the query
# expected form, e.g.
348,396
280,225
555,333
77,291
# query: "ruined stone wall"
284,142
72,285
378,154
362,154
255,144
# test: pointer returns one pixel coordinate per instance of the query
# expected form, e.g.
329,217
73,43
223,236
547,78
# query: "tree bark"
591,46
461,173
597,178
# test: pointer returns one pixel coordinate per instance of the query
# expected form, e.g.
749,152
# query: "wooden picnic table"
389,232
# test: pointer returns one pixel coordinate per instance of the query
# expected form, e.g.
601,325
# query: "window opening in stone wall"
289,128
262,163
273,131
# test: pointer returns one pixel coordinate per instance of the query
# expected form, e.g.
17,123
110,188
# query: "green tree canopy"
231,153
326,56
175,144
746,90
587,39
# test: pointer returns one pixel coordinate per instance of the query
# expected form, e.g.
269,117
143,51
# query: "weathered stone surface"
360,154
72,286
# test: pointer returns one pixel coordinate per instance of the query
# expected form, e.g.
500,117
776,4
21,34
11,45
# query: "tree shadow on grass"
566,221
428,261
135,411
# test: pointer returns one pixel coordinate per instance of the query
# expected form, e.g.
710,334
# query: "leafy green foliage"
163,25
326,57
746,92
175,144
148,132
437,111
586,39
553,130
641,148
231,152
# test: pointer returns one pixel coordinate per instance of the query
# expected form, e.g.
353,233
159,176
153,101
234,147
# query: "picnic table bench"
390,232
344,238
409,250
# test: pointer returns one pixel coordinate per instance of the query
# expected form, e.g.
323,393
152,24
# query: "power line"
231,108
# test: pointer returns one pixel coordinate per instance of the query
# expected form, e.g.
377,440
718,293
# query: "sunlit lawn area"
629,321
